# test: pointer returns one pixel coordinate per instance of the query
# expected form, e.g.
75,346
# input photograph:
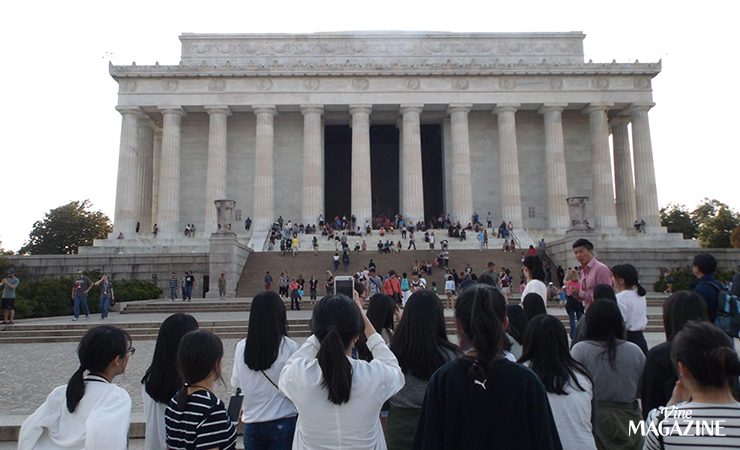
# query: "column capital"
308,109
264,109
359,109
172,110
618,121
637,107
597,106
217,109
411,107
145,121
548,107
506,107
130,110
459,108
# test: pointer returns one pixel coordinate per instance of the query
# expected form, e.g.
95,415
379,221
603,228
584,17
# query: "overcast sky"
60,131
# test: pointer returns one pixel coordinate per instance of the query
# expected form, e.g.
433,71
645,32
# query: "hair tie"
186,384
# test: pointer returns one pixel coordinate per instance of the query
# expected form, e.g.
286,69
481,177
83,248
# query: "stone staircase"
306,264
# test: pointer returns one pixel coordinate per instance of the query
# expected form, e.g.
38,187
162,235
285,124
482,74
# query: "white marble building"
525,123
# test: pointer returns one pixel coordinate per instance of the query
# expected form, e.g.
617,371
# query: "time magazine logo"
682,424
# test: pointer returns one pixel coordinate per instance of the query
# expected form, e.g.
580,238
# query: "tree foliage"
735,238
678,219
67,228
716,222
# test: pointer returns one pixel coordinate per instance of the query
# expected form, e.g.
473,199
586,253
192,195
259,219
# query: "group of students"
390,378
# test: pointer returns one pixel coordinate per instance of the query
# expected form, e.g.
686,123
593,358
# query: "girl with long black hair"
568,384
339,398
89,411
269,417
615,366
196,417
632,303
482,400
420,343
161,381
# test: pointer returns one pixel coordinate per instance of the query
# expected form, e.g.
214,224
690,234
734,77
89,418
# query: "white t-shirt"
450,285
537,287
263,401
351,425
155,435
572,414
634,310
101,420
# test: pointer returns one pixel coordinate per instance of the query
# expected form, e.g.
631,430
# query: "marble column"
155,175
217,164
601,168
127,186
412,181
462,191
624,185
168,213
511,197
362,198
263,197
646,194
145,161
313,164
558,217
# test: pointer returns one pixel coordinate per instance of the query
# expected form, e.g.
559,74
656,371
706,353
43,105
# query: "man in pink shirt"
593,272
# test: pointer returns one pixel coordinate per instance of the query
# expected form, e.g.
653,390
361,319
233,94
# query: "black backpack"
728,312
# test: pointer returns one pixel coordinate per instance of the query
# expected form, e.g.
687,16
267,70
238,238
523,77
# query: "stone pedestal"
577,207
226,254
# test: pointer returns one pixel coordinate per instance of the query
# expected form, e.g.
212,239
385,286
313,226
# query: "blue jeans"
188,292
81,301
104,305
273,435
173,292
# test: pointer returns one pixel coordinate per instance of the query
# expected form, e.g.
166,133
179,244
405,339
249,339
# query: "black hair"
517,322
707,352
486,278
336,322
381,310
604,291
420,342
546,349
161,380
199,353
680,308
533,263
604,323
706,263
628,273
583,243
477,311
267,327
533,305
96,350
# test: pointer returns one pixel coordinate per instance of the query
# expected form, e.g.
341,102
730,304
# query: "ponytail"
628,274
335,368
75,389
336,322
640,290
476,311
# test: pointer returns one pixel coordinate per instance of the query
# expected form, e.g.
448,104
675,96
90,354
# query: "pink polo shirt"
593,273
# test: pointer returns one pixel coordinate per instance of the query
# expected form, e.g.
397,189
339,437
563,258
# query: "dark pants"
104,305
574,308
638,338
273,435
295,302
81,302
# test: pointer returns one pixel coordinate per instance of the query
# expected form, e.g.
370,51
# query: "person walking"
89,411
80,288
189,284
172,284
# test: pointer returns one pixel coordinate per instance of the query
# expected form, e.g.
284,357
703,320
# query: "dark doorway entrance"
384,158
431,163
337,171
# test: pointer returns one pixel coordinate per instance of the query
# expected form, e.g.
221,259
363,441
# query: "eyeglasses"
131,350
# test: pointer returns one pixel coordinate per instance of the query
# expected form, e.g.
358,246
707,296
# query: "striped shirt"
203,424
694,425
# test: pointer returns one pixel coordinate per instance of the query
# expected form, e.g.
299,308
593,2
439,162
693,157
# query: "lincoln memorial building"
369,123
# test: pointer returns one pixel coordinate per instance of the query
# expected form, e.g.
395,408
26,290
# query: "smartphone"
344,285
235,406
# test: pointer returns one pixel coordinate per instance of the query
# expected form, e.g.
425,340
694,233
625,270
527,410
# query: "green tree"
67,228
716,222
678,219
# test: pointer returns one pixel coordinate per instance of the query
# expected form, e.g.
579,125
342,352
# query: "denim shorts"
276,434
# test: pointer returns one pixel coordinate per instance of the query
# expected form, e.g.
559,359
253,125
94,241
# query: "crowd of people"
379,371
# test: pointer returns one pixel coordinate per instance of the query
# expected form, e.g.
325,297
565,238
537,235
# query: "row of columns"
149,167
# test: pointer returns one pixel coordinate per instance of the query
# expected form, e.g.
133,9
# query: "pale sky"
60,131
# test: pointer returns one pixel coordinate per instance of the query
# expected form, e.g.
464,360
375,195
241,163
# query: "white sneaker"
74,319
